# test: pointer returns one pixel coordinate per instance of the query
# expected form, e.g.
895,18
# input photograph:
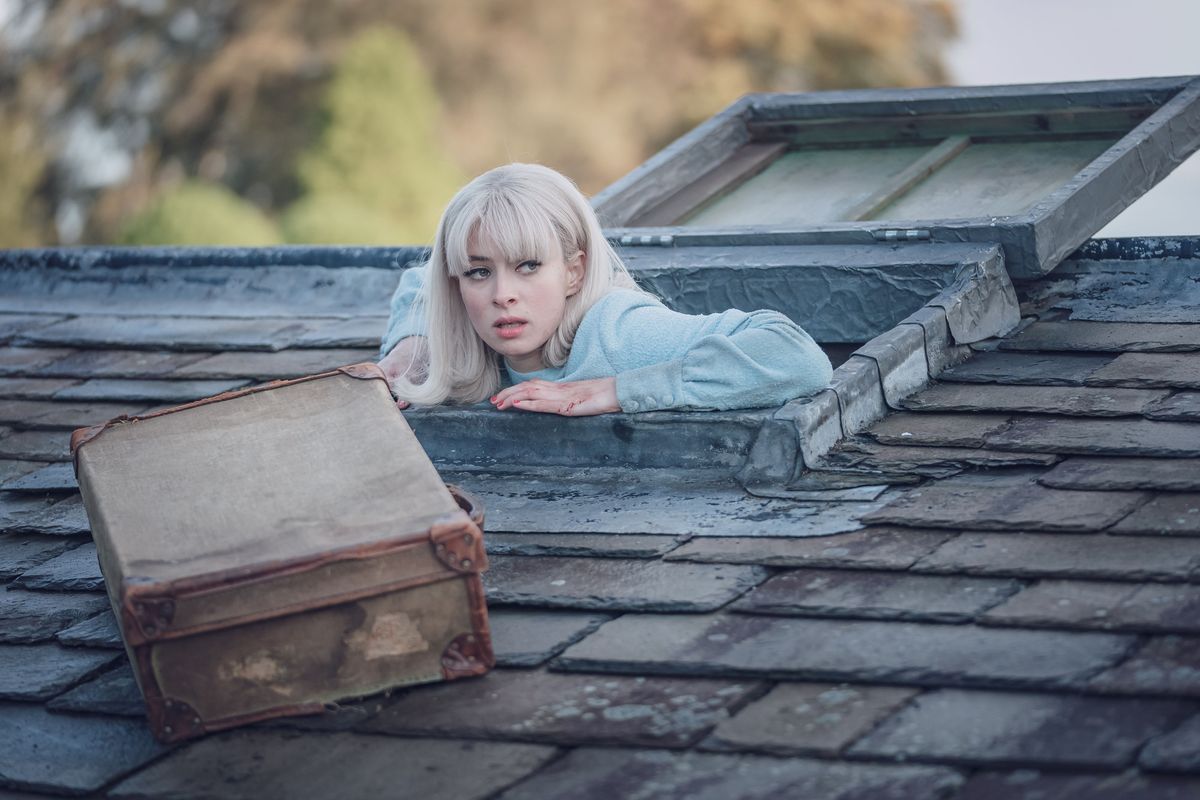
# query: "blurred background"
354,121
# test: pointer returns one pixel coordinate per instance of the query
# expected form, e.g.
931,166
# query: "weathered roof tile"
1005,728
808,718
876,595
611,584
858,651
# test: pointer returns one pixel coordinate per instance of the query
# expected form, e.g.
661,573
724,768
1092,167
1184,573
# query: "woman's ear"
576,269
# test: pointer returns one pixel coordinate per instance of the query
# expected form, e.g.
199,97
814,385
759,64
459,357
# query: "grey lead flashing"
881,373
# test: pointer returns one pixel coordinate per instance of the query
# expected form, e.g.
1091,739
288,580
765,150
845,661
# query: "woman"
524,303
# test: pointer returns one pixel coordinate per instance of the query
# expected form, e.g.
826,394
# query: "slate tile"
67,517
29,360
666,775
172,333
37,616
833,650
22,551
872,548
1030,555
69,754
1166,514
1161,665
275,366
40,671
1181,406
1027,730
1005,502
74,571
1032,785
48,415
254,764
938,462
1108,337
565,709
1149,371
114,692
808,718
1149,607
580,544
1026,369
529,638
44,478
1177,751
11,469
98,631
15,508
953,430
36,445
149,391
876,595
1071,400
344,716
1077,436
1106,474
33,388
610,584
120,364
14,324
357,332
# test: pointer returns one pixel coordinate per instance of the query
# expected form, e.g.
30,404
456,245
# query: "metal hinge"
630,240
902,235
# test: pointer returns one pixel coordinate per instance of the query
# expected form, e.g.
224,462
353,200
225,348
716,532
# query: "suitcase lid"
249,481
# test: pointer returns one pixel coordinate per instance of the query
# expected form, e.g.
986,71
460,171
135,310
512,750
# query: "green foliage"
378,173
199,213
22,166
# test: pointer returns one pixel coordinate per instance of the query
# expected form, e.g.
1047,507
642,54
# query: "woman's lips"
510,328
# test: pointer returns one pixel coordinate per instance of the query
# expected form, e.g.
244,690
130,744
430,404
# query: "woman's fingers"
572,398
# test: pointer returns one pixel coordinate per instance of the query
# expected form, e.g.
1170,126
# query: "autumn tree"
132,100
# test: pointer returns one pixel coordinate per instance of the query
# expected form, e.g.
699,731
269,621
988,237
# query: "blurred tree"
378,173
200,213
21,164
130,98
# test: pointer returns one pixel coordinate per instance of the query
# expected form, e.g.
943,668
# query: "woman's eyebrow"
484,259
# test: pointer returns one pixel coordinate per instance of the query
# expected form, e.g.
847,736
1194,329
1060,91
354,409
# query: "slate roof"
1010,611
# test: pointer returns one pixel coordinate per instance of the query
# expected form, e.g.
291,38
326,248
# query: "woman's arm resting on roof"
734,360
405,319
405,350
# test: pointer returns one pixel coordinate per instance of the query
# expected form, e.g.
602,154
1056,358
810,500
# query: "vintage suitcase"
272,550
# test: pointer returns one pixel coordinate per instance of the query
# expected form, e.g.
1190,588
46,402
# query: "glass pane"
806,187
995,179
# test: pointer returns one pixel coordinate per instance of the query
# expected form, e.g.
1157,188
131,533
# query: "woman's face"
516,307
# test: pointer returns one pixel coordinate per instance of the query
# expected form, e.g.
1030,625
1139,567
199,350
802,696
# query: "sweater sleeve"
406,318
735,359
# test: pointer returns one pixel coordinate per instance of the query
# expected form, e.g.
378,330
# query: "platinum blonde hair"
527,211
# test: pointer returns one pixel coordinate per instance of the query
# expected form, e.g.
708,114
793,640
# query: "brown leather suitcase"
272,550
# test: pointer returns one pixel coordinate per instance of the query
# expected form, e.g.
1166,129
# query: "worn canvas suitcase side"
272,550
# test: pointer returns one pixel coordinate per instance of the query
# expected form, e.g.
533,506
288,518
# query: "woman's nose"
504,293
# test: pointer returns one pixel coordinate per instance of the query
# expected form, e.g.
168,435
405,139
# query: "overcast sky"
1035,41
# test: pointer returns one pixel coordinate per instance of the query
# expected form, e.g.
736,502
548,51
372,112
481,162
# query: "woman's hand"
571,398
408,359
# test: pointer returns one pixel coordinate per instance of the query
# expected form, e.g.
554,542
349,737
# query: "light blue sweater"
664,359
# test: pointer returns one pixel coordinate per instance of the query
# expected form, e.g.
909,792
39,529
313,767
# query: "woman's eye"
528,266
478,273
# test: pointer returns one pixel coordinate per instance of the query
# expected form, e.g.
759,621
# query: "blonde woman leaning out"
525,304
